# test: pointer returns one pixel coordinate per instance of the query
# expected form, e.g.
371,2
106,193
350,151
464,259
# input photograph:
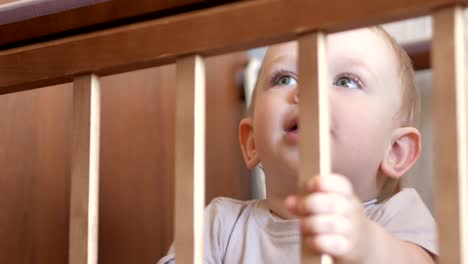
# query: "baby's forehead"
358,40
363,47
363,52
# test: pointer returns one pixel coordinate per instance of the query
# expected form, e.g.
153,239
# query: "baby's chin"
290,165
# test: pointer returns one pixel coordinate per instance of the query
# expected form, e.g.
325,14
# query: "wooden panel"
34,180
314,119
141,106
136,194
450,135
224,109
420,54
190,160
89,18
207,32
137,170
85,171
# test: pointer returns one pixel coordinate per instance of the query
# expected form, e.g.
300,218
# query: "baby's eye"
348,82
286,80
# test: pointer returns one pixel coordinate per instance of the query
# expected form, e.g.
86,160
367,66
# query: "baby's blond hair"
409,110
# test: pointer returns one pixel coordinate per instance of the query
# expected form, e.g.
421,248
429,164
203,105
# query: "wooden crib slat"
85,171
190,160
450,134
314,126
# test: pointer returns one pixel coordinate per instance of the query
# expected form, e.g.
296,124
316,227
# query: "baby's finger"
291,203
333,245
325,203
331,183
326,224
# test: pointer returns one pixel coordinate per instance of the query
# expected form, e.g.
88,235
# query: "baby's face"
365,96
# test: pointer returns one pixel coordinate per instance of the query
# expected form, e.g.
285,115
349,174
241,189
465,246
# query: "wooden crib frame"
189,37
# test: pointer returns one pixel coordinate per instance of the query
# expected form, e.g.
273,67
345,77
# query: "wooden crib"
213,29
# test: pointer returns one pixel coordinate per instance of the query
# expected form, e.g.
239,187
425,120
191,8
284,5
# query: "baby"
356,215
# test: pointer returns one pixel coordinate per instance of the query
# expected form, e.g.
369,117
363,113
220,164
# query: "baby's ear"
246,138
403,151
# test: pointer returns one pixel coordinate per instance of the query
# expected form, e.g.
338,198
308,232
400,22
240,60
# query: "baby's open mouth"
292,131
293,127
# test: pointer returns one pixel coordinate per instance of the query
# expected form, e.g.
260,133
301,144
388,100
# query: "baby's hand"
332,218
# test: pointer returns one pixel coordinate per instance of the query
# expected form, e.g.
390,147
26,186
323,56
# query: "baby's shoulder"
227,211
406,217
230,202
226,205
223,218
405,197
407,202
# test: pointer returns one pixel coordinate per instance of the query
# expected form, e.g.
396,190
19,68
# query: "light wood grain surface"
314,119
190,160
84,203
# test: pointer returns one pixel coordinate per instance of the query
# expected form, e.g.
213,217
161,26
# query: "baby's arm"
334,223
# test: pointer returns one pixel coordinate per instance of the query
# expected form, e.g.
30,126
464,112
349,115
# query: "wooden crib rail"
207,32
234,27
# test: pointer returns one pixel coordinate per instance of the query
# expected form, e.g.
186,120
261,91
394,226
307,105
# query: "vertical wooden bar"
450,139
190,160
85,171
314,131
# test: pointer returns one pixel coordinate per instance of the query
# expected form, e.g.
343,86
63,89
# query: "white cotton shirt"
245,231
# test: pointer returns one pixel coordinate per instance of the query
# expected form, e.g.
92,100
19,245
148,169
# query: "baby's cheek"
359,162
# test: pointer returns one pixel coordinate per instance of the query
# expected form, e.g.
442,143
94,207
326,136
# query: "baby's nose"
296,98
